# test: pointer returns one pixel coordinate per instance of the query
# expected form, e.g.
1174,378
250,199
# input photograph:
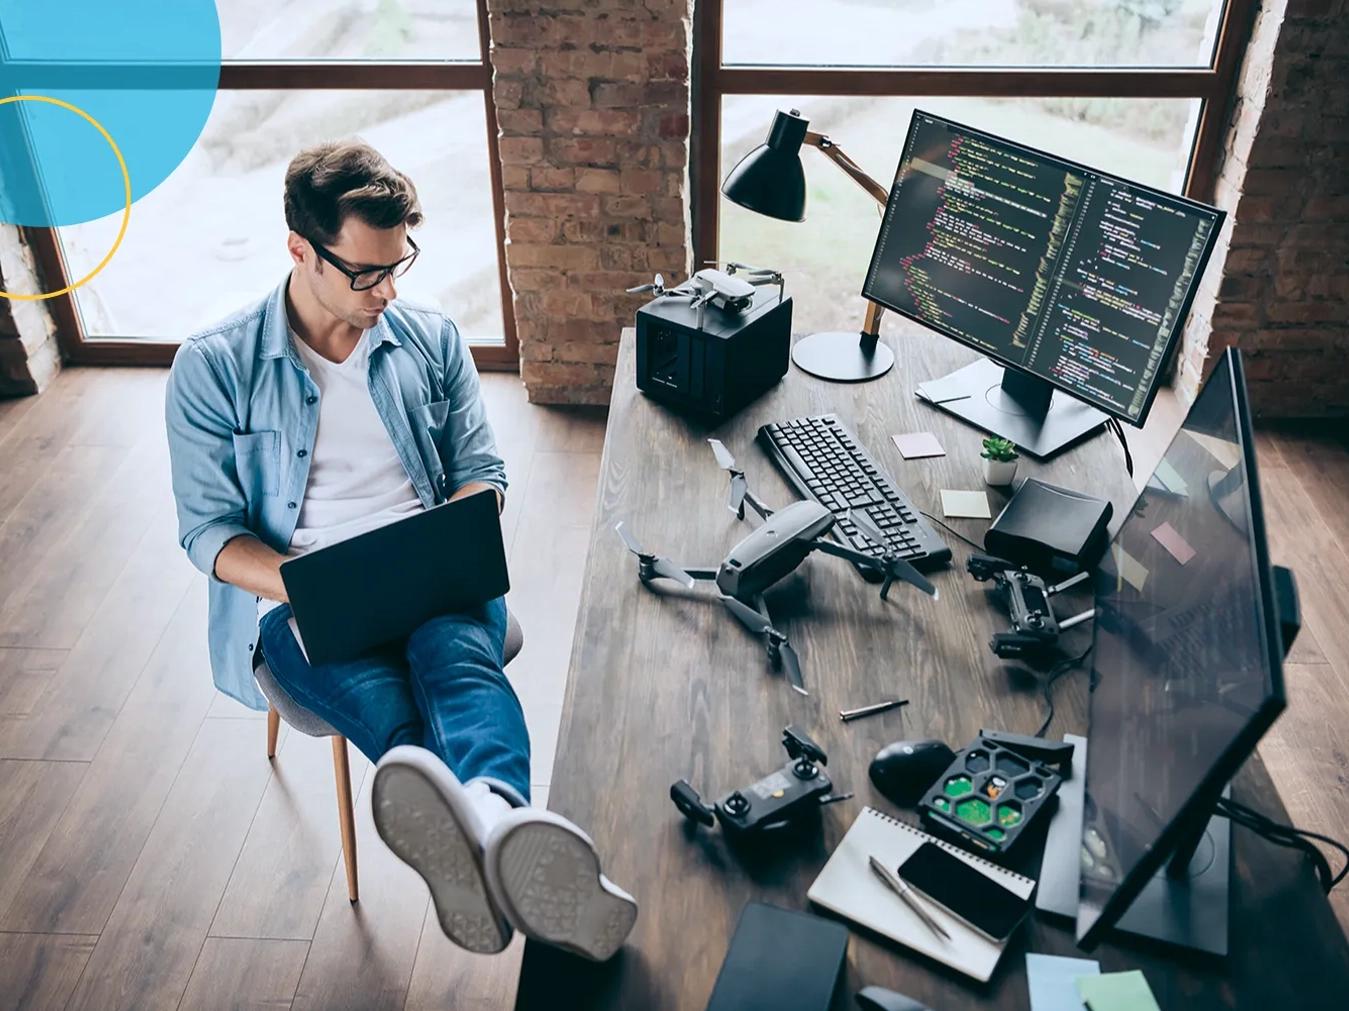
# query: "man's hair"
328,182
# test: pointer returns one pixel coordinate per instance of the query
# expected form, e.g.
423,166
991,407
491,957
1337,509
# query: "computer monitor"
1067,277
1187,666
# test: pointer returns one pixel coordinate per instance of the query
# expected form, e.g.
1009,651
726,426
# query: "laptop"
379,586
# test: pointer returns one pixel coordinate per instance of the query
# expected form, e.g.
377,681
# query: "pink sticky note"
1176,545
914,445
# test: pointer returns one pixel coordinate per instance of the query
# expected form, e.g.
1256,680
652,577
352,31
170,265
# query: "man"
325,410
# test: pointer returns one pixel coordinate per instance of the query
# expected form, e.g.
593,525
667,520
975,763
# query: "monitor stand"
1188,909
1007,402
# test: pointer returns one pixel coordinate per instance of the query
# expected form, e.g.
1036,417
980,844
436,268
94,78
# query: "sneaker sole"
551,889
415,822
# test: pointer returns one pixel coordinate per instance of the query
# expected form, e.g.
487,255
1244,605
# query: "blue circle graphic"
146,70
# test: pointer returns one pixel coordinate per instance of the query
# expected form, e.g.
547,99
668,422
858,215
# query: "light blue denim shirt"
242,413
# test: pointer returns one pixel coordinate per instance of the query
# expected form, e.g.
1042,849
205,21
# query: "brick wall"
1279,285
29,356
592,102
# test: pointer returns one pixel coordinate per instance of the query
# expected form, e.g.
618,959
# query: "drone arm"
891,567
763,510
708,574
852,555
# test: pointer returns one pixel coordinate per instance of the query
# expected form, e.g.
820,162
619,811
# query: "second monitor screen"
1077,277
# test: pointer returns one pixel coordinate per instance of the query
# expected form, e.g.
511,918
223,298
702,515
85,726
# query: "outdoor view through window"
212,237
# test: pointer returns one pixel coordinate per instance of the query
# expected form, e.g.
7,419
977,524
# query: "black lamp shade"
770,179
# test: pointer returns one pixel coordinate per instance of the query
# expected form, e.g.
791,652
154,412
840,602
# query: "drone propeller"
724,458
895,567
653,566
733,267
779,648
739,486
793,665
658,286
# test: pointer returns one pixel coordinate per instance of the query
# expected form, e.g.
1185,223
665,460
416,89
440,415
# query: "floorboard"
245,974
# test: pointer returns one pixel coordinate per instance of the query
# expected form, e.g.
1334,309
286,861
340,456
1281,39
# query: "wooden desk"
663,686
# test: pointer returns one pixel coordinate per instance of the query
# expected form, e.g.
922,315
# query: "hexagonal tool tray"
988,796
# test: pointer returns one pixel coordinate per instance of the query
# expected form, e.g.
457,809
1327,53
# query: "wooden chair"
283,707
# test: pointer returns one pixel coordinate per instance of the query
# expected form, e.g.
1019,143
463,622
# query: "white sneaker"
545,875
429,820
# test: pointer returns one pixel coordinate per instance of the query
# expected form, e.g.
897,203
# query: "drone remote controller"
797,789
1034,627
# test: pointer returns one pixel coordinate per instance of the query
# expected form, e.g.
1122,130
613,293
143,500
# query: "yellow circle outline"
126,182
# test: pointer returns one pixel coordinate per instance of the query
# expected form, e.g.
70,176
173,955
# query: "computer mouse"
878,998
903,771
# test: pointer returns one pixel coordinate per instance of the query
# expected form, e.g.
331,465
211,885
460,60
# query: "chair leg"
342,773
273,727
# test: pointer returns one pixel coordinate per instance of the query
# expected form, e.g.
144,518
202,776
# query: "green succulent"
999,449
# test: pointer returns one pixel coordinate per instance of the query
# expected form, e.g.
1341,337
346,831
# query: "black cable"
1114,425
1288,836
1047,686
954,533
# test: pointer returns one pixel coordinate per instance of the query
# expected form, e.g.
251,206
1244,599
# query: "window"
1139,88
408,76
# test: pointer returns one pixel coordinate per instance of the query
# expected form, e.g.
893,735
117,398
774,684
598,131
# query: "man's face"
358,246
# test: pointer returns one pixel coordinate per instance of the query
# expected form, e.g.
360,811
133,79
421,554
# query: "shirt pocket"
428,422
431,417
257,461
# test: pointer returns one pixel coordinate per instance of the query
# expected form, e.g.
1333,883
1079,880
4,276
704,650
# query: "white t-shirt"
356,480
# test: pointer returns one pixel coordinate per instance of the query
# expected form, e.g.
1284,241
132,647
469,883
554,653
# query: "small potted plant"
1000,458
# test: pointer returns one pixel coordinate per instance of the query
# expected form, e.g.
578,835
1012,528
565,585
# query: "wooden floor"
151,856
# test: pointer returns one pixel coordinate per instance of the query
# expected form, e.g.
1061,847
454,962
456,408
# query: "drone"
774,549
725,289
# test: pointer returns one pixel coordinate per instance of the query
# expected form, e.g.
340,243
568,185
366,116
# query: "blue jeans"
442,689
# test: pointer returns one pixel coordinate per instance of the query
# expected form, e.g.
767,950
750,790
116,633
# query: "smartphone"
966,893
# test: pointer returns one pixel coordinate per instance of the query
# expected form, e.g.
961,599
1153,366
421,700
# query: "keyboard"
823,461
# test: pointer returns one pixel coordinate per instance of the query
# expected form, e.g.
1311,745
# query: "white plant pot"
999,472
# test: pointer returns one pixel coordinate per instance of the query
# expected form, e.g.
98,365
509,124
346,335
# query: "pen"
876,707
897,886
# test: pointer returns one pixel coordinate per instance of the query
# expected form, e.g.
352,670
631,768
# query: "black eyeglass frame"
397,269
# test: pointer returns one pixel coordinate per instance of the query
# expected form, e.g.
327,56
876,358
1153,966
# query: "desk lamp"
770,180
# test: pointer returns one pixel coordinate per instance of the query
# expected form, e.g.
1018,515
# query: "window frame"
1213,86
243,75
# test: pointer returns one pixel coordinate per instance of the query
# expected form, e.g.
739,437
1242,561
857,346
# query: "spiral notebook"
848,887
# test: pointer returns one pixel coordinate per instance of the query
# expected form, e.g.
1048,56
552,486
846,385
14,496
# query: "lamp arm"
871,328
835,154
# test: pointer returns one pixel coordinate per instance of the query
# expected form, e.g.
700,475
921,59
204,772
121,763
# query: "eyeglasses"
364,280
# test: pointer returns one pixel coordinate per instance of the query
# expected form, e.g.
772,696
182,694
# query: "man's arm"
251,565
473,487
200,419
467,441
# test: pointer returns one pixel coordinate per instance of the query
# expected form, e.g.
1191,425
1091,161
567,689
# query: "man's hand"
473,487
249,564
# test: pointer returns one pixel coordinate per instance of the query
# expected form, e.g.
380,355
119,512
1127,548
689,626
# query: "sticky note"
1053,981
943,391
1170,478
1117,991
1130,569
915,445
965,505
1176,545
